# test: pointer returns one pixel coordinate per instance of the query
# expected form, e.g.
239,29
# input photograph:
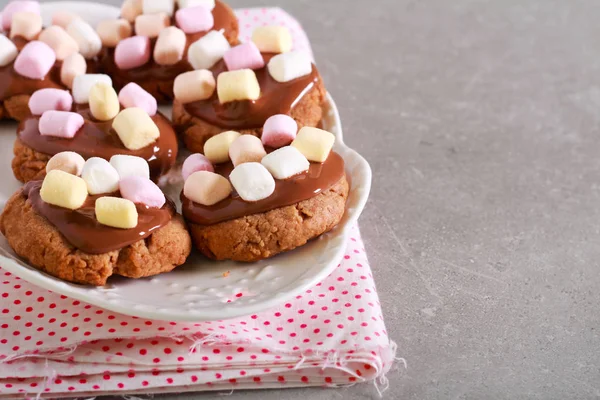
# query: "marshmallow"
314,143
63,18
206,188
194,19
116,212
246,148
158,6
130,166
194,86
272,39
35,60
63,124
82,85
50,99
17,6
132,52
279,130
237,85
194,163
135,128
252,181
8,51
26,25
170,46
72,66
104,103
63,190
210,4
131,9
151,25
112,31
285,162
205,52
99,176
141,191
86,37
67,161
289,66
244,56
133,95
60,41
216,149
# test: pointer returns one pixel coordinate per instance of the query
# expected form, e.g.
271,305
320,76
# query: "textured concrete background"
481,121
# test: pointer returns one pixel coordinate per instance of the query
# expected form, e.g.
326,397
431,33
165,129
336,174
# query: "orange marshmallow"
151,25
194,86
26,24
112,31
60,41
170,46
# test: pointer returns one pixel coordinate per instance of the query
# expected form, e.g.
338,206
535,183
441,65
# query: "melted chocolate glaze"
275,98
98,139
318,178
84,232
151,71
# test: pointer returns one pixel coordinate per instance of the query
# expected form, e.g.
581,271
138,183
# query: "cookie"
195,130
41,244
158,79
32,149
263,235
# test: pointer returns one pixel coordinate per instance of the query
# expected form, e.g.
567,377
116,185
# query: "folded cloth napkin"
331,335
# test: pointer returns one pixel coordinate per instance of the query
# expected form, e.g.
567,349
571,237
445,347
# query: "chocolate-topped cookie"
87,221
106,127
164,35
252,82
246,202
32,58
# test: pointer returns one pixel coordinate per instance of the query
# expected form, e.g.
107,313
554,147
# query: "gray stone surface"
481,121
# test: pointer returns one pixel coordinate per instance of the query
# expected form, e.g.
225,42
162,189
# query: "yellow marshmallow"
135,128
314,143
237,85
216,149
104,102
63,190
116,212
272,39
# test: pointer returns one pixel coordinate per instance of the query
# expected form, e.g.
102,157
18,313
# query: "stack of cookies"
92,148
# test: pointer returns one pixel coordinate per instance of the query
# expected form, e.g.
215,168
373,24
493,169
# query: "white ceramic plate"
198,291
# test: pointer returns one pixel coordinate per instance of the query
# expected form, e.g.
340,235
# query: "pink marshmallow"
132,52
194,19
64,124
35,60
244,56
50,99
133,95
142,191
15,7
279,130
194,163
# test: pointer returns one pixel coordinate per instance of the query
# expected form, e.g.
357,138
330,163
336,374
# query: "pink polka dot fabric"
331,335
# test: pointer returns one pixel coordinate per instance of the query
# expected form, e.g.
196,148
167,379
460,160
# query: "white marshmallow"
158,6
86,37
99,176
205,52
285,162
210,4
8,51
83,84
252,181
289,66
130,166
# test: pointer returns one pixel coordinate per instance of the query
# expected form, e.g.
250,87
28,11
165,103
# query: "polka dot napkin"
331,335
